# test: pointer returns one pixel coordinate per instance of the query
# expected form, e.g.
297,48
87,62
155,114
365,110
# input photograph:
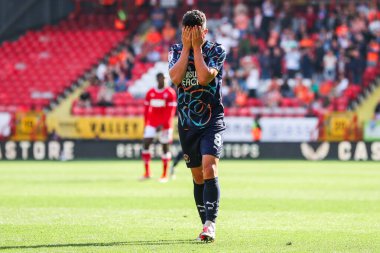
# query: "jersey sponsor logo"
157,103
190,78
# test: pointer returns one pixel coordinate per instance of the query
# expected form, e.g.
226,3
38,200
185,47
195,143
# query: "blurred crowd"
276,49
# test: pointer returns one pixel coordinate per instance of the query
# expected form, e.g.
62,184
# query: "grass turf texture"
284,206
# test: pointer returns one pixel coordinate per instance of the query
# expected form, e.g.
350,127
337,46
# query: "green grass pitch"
266,206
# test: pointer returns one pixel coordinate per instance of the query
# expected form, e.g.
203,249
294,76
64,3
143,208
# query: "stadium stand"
42,64
283,60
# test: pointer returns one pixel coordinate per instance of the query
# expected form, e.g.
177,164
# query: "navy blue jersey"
199,106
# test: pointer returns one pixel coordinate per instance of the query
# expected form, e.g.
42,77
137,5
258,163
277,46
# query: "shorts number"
218,140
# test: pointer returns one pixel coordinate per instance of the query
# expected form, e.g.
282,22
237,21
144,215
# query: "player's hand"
186,37
197,37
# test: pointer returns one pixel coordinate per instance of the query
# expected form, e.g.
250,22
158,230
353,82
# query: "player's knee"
210,170
197,176
198,179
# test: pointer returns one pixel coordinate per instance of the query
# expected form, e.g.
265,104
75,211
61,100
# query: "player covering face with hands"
195,67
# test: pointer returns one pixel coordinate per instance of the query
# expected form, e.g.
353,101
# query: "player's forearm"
204,73
146,111
178,71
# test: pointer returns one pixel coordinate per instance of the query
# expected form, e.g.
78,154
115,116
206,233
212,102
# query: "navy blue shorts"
198,142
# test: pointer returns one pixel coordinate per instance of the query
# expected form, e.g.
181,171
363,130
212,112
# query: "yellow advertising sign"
105,128
30,126
341,126
110,128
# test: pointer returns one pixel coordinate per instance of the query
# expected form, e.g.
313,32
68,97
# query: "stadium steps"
62,112
366,108
148,79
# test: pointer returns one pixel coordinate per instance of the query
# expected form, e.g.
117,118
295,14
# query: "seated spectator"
168,33
326,88
101,70
241,98
273,96
104,97
121,83
153,36
341,85
329,65
106,92
285,90
377,111
84,100
302,92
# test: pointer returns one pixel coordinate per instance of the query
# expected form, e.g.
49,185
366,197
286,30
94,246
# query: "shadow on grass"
103,244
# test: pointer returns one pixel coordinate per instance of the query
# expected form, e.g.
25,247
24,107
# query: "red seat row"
53,58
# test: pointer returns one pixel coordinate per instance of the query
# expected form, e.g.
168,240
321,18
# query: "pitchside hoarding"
289,129
92,149
372,130
274,129
5,124
238,128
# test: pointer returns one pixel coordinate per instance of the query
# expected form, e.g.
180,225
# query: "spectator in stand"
84,100
158,17
230,96
307,64
171,16
285,90
292,61
310,18
257,22
121,83
319,54
101,70
268,16
377,111
265,64
273,96
168,33
341,86
330,45
241,19
321,16
329,65
227,9
286,15
355,67
153,36
253,80
227,35
276,63
302,92
106,91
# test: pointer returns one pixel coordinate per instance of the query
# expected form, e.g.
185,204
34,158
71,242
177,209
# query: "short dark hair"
194,18
160,74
